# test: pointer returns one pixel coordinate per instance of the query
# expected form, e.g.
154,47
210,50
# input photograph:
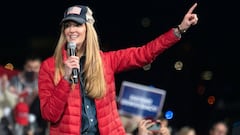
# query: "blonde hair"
95,84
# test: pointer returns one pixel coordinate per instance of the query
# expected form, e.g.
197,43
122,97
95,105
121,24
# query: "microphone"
71,49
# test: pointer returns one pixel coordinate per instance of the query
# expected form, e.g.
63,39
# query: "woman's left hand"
189,19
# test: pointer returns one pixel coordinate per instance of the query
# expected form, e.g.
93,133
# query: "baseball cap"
78,13
21,112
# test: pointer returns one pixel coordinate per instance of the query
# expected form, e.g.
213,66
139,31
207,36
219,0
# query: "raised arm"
189,19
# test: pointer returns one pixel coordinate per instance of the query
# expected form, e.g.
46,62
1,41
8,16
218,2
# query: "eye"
66,25
78,24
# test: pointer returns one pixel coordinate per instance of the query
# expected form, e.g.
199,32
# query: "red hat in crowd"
21,112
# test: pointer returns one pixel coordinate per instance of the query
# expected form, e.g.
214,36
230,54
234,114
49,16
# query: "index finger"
192,8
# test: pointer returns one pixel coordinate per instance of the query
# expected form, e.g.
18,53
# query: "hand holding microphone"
72,63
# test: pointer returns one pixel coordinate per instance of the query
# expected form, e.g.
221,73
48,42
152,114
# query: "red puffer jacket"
62,107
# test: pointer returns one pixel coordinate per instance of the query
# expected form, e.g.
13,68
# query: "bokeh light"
178,65
169,114
201,89
207,75
146,22
211,100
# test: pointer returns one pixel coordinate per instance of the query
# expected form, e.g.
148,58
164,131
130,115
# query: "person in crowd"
26,80
86,104
5,126
21,116
186,130
8,98
219,128
146,127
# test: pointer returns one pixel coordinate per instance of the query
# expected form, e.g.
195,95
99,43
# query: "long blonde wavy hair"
95,84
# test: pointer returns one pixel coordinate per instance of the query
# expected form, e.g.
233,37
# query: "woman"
89,106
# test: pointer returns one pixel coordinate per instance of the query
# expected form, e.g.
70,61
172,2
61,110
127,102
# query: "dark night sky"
33,27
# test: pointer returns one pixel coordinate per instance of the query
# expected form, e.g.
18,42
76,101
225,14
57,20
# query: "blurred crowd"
19,102
135,125
20,108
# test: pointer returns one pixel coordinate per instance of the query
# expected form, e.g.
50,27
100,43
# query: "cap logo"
74,10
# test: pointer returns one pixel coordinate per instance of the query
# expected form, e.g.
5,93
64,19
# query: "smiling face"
75,32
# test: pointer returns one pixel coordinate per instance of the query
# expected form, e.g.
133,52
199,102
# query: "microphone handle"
72,52
75,75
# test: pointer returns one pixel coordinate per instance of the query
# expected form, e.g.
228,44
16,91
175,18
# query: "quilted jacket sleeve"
52,98
134,57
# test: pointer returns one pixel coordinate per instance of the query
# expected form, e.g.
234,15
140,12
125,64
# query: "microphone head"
71,45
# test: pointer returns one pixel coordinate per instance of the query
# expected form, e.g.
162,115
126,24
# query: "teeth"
73,37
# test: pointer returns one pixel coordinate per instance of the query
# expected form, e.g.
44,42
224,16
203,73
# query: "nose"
72,28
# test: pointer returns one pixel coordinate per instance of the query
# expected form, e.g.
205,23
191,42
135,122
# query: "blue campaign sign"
141,100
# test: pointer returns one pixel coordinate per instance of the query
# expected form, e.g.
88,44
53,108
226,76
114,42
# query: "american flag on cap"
74,10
